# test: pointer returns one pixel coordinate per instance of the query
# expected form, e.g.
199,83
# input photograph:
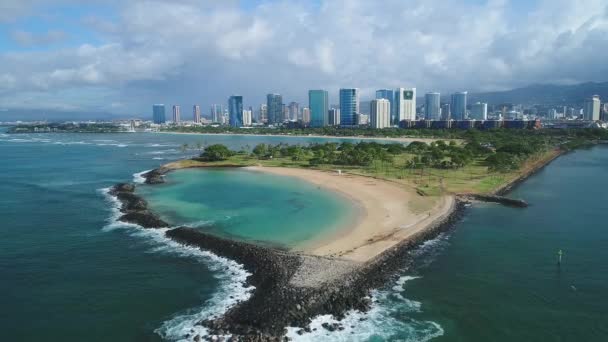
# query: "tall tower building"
235,111
459,105
349,106
380,113
196,113
158,113
445,111
274,104
306,116
176,115
318,102
247,117
334,117
217,113
405,102
263,113
432,109
592,108
479,111
294,111
388,94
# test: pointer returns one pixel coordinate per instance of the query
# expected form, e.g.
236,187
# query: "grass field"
472,178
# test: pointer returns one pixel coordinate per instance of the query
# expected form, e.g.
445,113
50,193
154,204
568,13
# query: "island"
407,194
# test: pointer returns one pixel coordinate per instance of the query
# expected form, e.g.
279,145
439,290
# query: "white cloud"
184,51
27,39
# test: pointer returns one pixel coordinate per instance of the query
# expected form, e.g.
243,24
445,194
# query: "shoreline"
385,217
401,140
293,288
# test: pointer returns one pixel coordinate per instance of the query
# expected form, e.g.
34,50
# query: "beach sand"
389,212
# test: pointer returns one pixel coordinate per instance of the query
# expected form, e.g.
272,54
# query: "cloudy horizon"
122,56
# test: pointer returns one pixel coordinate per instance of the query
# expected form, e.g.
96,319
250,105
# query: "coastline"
293,288
399,140
385,219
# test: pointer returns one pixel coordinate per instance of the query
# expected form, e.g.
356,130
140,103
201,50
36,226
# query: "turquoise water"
249,205
69,272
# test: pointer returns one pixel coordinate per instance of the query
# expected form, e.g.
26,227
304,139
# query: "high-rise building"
263,113
247,117
217,113
235,111
380,113
294,111
176,114
592,108
445,111
196,113
405,104
432,106
306,116
604,112
318,102
274,104
349,106
334,117
388,94
459,105
158,113
479,111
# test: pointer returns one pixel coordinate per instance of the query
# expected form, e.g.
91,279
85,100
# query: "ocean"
70,272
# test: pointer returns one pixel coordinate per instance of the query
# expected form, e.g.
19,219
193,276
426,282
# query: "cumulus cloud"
185,51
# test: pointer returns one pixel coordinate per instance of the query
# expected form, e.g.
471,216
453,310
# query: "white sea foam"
138,177
231,275
380,322
158,158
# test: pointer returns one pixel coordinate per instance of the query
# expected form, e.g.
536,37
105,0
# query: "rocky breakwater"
291,289
156,176
509,202
134,209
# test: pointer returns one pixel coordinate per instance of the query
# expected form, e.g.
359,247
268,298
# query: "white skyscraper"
306,115
247,117
176,114
405,101
380,113
592,108
196,114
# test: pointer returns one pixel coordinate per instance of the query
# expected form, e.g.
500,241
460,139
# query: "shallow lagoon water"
250,205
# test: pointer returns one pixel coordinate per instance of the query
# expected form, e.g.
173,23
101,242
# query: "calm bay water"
70,273
247,205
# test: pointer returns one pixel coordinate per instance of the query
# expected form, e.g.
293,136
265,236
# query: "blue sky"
121,56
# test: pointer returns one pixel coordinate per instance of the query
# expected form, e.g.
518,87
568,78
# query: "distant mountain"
545,94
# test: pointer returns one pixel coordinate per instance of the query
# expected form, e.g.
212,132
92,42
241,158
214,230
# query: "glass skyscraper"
235,110
459,106
318,102
274,108
388,94
432,106
349,106
158,113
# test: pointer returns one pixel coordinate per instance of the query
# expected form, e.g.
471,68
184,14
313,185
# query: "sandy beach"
389,212
401,140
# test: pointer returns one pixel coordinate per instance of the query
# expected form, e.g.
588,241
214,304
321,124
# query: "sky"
122,56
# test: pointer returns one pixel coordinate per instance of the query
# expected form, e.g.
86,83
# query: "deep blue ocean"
70,272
